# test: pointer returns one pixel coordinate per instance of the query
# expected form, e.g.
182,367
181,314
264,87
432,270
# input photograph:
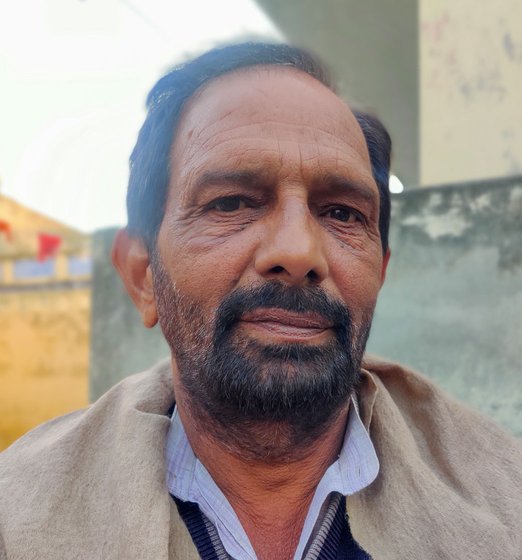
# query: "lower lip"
274,332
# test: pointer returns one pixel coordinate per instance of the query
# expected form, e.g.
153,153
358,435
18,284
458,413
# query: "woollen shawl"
91,484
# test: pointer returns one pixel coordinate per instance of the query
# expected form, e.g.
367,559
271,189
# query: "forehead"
265,112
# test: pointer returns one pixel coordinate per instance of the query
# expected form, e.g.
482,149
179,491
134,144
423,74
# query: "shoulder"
148,391
395,393
446,473
54,474
418,427
424,405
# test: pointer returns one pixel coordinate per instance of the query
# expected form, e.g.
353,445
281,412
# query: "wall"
444,76
470,90
451,305
452,302
120,345
44,320
44,351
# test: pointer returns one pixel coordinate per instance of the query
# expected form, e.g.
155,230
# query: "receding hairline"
258,69
275,68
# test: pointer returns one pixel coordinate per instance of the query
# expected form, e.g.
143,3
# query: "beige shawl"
91,485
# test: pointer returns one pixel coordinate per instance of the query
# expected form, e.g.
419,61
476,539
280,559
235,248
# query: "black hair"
150,158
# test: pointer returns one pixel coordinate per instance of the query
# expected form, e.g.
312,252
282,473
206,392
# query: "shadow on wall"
451,306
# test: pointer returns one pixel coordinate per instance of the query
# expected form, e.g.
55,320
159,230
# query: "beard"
266,400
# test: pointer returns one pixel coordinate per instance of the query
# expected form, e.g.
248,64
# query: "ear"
131,259
385,260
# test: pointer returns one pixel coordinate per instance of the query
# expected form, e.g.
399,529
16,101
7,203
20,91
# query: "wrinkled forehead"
283,97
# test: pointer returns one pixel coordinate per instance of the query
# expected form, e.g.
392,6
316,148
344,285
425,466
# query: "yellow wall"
44,326
44,352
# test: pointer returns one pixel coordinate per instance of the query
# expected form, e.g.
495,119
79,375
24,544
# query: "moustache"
273,294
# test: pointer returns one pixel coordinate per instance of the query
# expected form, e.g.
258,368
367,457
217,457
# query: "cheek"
358,279
207,272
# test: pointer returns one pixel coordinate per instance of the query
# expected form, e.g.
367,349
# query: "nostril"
311,274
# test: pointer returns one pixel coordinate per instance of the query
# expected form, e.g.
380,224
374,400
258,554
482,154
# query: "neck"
271,490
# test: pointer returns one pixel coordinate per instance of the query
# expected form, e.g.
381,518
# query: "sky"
74,75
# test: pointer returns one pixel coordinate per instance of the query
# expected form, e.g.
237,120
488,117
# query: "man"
258,239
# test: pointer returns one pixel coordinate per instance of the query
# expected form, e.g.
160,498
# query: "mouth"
278,326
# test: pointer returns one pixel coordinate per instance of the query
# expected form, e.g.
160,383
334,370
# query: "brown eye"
342,214
228,204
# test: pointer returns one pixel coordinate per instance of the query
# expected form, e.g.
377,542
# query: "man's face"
269,260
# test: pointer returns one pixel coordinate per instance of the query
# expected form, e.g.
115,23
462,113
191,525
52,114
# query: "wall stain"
512,49
484,215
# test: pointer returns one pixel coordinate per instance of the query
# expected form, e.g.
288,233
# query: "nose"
291,249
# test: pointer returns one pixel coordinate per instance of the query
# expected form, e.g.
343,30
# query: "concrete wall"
451,306
120,345
452,303
470,90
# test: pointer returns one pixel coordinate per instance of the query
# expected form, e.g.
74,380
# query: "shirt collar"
356,468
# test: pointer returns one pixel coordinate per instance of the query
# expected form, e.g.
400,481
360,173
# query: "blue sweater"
338,545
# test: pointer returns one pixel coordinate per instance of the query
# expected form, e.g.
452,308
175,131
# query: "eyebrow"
254,179
243,178
337,183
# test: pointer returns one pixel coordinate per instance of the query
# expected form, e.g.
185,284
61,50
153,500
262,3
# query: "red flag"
5,228
48,245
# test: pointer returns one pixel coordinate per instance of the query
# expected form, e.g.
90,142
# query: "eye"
343,214
228,204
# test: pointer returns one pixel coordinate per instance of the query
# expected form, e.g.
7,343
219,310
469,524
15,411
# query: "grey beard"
266,402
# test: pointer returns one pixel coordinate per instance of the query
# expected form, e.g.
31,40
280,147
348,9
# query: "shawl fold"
91,484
